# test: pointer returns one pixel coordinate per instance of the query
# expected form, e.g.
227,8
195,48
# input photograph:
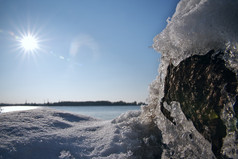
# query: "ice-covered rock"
206,91
199,26
193,100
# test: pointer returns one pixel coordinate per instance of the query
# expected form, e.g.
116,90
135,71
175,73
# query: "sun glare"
29,43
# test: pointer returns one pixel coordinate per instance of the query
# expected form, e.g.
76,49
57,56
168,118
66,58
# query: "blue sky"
88,49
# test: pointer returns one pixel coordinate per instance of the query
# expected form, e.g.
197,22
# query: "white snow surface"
47,133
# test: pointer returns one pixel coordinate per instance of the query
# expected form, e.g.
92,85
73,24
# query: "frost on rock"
198,28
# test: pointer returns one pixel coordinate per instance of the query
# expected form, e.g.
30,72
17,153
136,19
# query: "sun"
29,43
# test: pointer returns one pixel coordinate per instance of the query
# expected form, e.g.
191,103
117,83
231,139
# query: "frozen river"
100,112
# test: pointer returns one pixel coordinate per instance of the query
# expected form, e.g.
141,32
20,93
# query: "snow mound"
47,133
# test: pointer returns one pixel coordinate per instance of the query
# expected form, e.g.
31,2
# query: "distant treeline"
81,103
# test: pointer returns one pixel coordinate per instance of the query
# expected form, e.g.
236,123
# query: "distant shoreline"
78,103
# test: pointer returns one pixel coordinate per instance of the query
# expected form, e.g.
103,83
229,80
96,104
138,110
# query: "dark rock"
203,86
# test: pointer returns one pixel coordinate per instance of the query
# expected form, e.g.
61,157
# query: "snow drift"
47,133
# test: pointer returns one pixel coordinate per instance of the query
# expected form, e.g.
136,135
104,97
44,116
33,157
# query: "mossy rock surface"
203,85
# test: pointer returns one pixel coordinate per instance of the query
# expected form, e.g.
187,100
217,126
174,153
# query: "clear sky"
85,49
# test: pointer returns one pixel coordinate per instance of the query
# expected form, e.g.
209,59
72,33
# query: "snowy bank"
46,133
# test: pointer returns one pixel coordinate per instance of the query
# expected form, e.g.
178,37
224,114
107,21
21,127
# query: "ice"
182,138
199,26
196,27
65,155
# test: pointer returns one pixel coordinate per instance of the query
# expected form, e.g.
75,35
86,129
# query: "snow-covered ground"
46,133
